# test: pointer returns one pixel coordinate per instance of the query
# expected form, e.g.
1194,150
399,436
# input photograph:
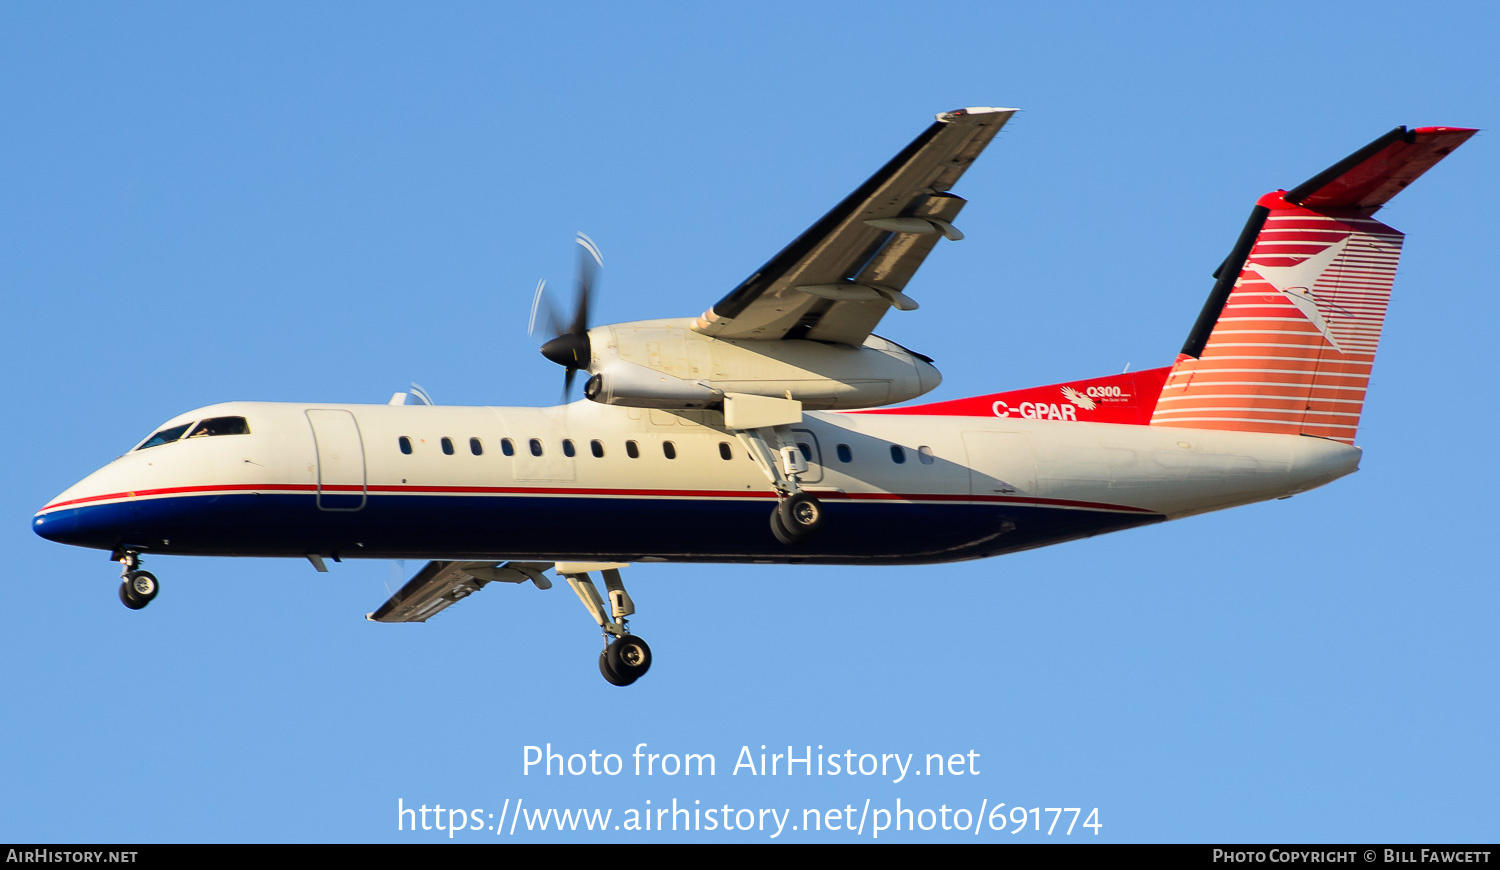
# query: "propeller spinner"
570,346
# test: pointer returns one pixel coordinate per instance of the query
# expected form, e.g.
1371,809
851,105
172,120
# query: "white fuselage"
334,480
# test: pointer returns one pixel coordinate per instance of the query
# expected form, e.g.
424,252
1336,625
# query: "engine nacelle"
625,383
665,364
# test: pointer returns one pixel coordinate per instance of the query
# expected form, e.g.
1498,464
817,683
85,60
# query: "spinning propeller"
569,346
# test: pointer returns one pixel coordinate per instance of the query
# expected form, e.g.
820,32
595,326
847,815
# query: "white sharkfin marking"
1295,282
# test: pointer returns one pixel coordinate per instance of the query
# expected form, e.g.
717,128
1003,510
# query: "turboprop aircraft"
760,430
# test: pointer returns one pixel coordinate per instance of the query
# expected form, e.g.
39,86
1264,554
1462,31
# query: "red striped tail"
1287,340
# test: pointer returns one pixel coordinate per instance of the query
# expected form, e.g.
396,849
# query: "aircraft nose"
59,526
87,514
73,518
98,528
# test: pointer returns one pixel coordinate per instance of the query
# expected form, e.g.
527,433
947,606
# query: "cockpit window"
165,436
221,426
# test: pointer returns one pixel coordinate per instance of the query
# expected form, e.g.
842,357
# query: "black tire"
629,657
610,676
143,586
801,514
129,600
778,528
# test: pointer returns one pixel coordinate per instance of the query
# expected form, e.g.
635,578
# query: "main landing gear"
625,660
137,588
626,657
796,516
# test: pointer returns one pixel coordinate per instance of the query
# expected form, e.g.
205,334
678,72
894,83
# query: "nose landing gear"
137,588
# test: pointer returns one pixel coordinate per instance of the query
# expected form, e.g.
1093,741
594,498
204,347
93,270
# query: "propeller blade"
536,301
541,304
569,346
588,245
589,264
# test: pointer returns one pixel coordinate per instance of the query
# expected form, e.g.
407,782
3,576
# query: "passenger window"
475,447
536,447
405,443
724,451
597,448
568,447
507,447
165,436
669,449
845,454
806,450
924,455
221,426
448,445
898,455
632,450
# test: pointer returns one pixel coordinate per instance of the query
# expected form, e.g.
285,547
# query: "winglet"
1368,178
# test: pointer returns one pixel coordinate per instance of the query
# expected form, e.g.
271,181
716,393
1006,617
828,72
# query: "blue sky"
283,202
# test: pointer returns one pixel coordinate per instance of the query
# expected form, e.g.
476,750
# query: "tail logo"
1079,399
1295,283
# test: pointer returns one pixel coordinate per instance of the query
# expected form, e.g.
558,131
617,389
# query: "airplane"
762,430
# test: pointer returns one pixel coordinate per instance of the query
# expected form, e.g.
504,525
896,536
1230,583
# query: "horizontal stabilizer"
1369,177
440,584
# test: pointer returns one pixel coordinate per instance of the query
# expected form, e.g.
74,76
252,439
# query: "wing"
440,584
837,279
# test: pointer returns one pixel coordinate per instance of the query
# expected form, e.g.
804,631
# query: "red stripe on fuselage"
580,491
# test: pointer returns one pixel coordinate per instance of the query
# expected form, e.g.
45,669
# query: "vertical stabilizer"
1287,339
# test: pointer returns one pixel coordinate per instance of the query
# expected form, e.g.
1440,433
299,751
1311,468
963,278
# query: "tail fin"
1287,339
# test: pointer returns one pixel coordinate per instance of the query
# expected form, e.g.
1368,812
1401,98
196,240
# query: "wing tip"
946,117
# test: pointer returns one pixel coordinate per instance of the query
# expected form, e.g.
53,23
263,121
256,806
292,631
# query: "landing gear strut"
798,514
626,657
137,588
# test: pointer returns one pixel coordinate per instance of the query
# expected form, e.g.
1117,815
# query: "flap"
440,584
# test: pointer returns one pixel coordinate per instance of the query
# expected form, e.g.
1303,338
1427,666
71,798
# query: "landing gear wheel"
143,585
801,514
778,528
629,657
138,589
610,676
129,600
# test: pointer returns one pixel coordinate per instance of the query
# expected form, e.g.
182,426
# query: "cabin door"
340,458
